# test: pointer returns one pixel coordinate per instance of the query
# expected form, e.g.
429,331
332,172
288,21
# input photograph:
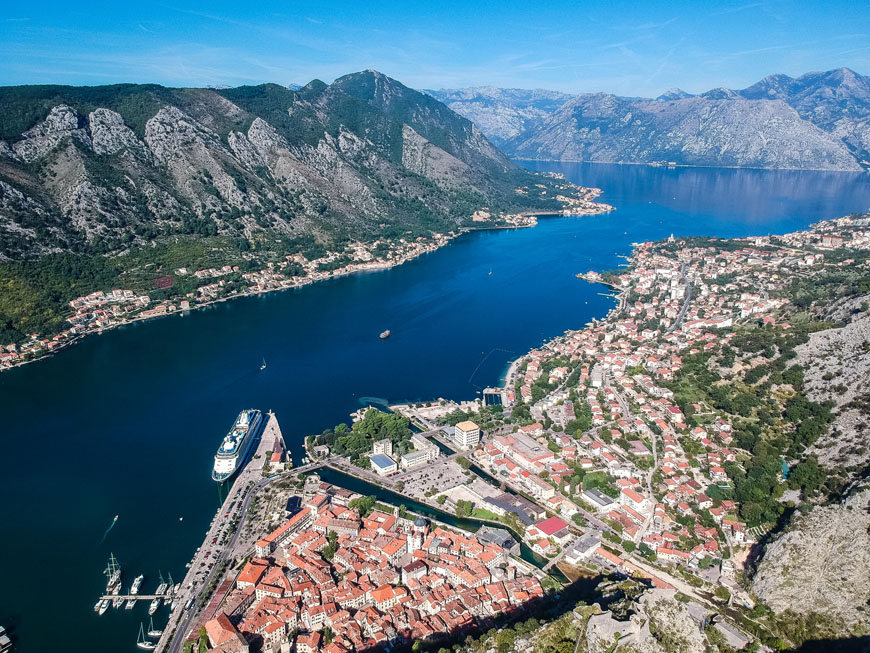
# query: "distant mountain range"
816,121
101,169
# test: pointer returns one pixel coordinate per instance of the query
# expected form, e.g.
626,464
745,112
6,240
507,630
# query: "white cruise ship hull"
235,448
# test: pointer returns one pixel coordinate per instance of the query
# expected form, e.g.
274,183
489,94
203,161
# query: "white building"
466,434
384,446
383,464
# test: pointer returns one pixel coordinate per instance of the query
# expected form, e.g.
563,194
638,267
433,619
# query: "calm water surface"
127,422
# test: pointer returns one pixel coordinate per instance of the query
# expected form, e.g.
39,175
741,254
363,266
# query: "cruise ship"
235,446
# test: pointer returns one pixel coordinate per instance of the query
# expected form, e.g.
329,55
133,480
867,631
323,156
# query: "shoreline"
652,164
307,281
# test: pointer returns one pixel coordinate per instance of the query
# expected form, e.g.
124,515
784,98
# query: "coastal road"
240,495
225,554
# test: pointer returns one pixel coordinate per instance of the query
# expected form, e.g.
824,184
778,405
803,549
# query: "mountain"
693,131
838,101
502,113
101,169
815,571
815,121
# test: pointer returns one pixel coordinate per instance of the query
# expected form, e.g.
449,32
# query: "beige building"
384,446
467,434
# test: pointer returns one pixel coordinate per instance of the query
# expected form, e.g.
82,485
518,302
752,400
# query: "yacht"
154,605
104,605
137,584
117,601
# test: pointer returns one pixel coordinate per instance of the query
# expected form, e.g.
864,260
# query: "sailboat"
141,642
152,631
263,366
112,572
161,587
170,589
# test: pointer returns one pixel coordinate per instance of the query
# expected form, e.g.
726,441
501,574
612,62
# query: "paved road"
623,404
686,302
225,554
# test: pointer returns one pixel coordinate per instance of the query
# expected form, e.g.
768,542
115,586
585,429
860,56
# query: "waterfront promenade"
216,553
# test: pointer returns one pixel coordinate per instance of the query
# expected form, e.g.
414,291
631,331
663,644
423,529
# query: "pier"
136,597
216,556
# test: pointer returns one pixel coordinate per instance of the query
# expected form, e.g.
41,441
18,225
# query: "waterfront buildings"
373,580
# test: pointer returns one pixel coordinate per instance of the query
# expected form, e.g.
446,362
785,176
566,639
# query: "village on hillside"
620,450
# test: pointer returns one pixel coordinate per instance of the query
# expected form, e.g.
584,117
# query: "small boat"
104,605
154,605
137,584
263,366
384,334
490,272
152,631
141,642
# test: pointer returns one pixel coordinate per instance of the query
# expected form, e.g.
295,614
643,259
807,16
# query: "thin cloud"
648,26
734,10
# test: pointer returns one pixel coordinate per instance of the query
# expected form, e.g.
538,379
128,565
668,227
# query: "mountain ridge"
99,169
819,120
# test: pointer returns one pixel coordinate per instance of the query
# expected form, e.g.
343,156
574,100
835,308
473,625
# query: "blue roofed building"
383,464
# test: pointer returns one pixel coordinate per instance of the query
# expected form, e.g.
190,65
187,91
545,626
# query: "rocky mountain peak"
62,122
673,94
109,133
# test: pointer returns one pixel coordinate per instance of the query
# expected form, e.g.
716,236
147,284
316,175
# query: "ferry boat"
236,445
137,584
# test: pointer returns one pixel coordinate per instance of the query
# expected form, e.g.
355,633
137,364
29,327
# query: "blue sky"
630,48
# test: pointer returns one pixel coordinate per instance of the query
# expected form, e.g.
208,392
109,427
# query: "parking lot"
433,478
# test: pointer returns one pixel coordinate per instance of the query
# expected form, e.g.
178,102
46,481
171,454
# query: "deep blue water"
127,422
